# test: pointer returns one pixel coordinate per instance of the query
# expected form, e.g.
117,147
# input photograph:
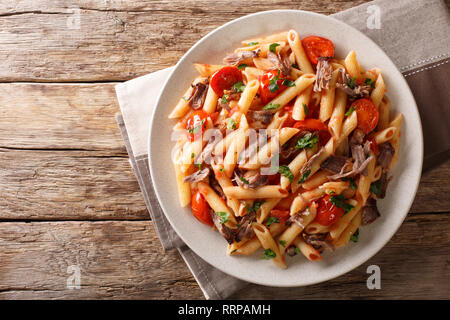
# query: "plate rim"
343,270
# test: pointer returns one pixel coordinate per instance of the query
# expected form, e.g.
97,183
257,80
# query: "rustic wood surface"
67,192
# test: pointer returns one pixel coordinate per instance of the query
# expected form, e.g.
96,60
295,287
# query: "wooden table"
67,192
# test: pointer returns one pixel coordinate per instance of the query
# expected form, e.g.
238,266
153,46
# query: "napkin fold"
414,34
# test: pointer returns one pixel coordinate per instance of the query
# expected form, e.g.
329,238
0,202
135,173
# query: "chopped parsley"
273,47
375,188
225,99
304,176
196,129
238,86
286,172
198,165
232,124
288,83
252,43
271,106
355,236
244,180
352,182
369,82
255,207
297,250
294,65
283,243
242,66
273,83
305,109
233,251
192,155
221,169
272,220
338,201
352,83
349,112
223,216
269,254
309,140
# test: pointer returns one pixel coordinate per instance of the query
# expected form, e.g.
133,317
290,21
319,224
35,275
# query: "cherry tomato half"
282,215
200,209
316,47
264,91
312,125
327,212
367,113
224,79
195,124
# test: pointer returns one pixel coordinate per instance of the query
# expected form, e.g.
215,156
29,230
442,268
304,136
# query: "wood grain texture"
123,260
134,37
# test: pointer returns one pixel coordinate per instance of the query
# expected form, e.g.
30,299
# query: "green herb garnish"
352,182
294,65
286,172
271,220
239,86
309,140
305,109
242,66
244,180
283,243
232,124
252,43
304,176
256,206
338,201
192,155
297,250
269,254
355,236
225,99
352,83
369,82
375,188
288,83
223,216
198,165
349,112
273,83
273,47
271,106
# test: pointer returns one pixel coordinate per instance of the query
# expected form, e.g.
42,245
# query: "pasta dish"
285,146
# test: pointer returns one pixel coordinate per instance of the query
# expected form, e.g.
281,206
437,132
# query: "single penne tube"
299,53
206,70
308,250
250,246
265,47
216,203
395,141
184,190
351,65
289,235
315,227
270,191
377,173
290,93
268,243
384,110
363,189
210,101
235,149
225,143
328,97
295,73
247,96
319,178
294,166
335,187
385,135
224,181
349,231
300,110
348,126
339,226
337,117
301,201
265,209
378,92
282,36
265,153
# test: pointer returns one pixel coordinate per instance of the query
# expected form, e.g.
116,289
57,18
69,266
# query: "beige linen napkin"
414,33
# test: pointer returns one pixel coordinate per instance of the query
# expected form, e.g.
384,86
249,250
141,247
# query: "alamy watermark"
74,279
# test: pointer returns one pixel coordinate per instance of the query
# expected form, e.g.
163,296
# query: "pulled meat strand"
345,84
198,95
323,75
237,58
386,154
253,177
318,241
369,212
227,233
278,62
200,175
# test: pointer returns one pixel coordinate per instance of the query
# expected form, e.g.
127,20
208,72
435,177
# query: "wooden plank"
124,260
68,185
59,116
41,40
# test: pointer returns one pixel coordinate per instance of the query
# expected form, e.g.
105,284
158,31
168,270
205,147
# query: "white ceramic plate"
210,245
